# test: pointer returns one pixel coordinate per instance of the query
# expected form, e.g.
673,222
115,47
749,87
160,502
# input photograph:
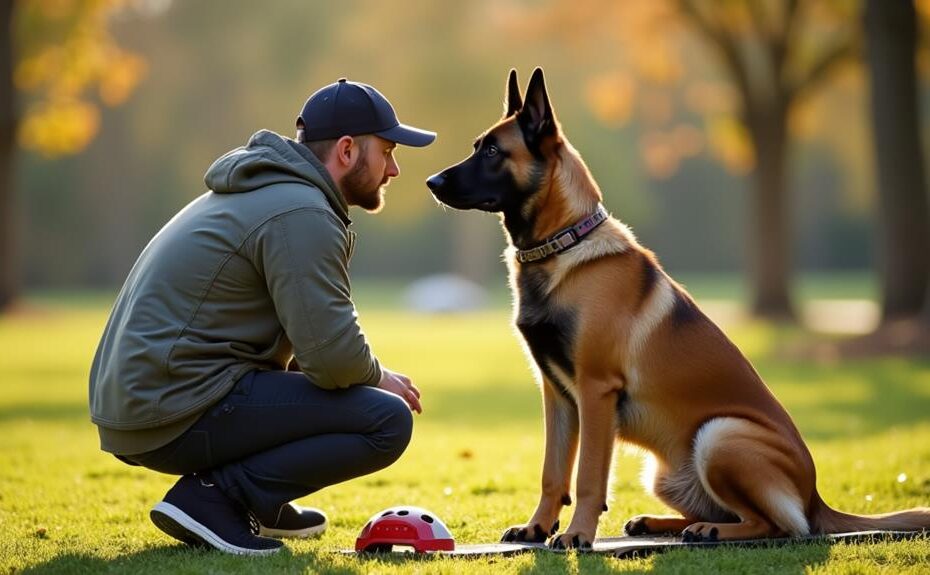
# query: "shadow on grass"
788,559
183,559
792,558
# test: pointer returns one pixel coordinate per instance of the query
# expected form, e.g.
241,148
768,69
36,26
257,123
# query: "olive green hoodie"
247,276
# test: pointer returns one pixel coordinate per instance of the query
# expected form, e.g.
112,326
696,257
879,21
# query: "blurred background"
768,151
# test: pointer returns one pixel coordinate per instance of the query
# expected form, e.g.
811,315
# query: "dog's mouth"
488,205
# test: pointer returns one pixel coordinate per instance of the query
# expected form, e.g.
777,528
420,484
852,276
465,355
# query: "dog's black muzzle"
449,194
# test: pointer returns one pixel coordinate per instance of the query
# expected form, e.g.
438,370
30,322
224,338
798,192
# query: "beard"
361,189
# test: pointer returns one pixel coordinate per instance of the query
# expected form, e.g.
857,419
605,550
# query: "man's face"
363,185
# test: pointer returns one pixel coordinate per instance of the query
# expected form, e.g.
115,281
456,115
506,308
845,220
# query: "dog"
623,352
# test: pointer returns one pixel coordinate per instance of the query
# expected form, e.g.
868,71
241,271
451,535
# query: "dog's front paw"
530,533
571,540
699,532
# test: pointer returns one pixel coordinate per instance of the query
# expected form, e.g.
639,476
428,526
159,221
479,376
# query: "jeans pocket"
243,387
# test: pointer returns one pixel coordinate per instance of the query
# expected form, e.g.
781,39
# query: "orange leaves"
60,128
121,78
659,65
611,97
659,155
68,57
662,151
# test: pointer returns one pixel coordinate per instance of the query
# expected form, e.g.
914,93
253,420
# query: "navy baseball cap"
347,108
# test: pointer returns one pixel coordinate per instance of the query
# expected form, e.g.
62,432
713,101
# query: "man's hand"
399,384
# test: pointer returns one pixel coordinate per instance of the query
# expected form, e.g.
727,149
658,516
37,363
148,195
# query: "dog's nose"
435,181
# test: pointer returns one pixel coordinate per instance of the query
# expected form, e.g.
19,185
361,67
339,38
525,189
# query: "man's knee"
396,427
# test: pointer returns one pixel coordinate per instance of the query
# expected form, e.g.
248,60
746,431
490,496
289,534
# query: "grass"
474,459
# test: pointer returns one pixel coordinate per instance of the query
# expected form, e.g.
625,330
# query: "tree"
60,56
8,283
769,67
891,31
761,57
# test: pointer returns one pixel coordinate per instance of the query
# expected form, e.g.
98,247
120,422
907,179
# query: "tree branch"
726,45
783,41
829,60
762,24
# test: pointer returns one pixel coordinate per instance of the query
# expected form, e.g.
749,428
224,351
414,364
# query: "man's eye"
491,151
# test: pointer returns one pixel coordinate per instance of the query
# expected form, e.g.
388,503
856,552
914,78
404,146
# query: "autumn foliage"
68,66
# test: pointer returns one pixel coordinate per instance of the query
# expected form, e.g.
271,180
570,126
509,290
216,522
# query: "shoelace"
254,526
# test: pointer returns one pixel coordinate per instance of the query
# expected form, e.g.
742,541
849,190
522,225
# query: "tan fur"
727,455
519,162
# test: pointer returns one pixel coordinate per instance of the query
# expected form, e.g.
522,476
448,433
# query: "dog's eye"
491,151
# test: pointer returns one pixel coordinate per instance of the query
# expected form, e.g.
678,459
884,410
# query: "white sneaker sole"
315,531
183,527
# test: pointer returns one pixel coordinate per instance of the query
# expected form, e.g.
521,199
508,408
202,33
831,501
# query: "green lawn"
474,458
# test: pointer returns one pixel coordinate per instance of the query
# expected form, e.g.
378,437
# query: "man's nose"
393,170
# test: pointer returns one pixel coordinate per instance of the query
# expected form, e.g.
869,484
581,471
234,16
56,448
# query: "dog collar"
564,239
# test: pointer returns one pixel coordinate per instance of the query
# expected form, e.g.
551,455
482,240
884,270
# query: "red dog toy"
405,526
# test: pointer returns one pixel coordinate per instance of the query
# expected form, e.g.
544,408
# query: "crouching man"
233,356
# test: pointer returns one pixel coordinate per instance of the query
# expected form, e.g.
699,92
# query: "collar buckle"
565,240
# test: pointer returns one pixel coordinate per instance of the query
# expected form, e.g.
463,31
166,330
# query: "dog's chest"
548,330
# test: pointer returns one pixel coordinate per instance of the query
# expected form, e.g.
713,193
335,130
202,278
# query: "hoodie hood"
269,158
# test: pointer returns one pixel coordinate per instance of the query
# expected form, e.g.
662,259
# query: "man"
233,355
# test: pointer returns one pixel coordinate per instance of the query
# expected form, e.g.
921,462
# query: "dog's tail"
825,519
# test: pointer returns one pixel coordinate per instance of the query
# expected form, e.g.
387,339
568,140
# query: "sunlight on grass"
474,460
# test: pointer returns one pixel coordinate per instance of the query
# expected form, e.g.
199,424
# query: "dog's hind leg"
682,491
561,417
751,472
656,524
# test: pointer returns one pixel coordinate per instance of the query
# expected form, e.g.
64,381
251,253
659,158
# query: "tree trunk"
8,261
769,233
891,29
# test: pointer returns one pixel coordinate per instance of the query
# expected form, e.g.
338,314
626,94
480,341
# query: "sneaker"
296,521
197,512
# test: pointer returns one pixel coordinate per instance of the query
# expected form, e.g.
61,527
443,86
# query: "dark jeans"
276,437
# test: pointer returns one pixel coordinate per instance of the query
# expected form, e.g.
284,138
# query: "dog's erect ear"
536,117
513,101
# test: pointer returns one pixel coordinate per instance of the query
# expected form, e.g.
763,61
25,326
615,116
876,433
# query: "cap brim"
408,136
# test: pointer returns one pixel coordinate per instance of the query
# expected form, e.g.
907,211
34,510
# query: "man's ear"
345,151
536,117
513,101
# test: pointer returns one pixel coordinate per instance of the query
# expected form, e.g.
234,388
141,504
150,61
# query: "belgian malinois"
625,353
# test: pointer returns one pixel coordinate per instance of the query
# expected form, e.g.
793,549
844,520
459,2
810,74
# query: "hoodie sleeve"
303,256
